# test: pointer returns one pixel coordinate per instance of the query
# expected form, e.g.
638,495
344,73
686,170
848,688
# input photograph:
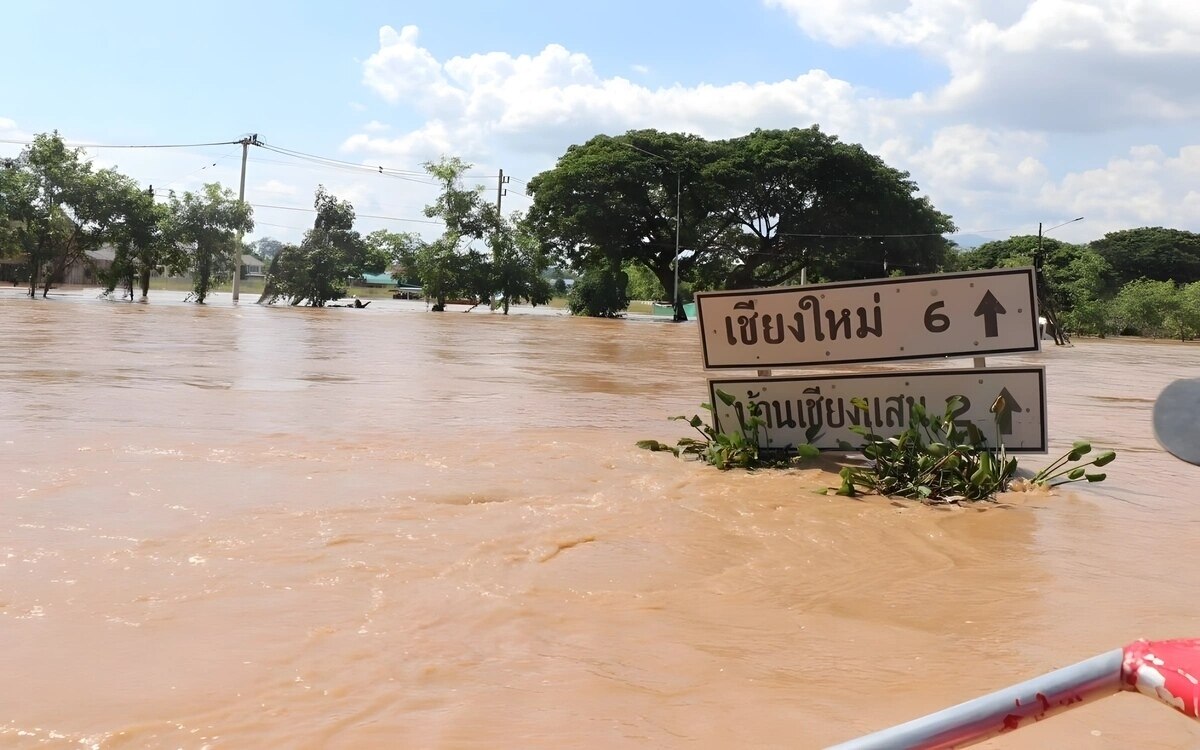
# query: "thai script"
750,326
814,409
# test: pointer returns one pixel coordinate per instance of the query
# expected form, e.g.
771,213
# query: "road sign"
791,404
910,317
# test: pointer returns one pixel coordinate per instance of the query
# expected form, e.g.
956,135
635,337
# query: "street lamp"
1046,302
1037,258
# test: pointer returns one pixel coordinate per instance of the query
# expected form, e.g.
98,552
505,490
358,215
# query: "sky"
1006,113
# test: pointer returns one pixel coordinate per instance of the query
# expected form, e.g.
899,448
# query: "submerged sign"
911,317
790,405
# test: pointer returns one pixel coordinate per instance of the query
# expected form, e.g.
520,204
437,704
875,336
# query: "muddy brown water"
235,527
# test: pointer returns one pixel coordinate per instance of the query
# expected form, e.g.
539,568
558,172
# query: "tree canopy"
1151,253
209,221
749,211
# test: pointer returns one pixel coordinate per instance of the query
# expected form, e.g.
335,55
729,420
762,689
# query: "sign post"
937,316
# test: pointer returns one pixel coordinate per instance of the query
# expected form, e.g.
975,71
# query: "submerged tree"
513,273
56,208
209,221
143,244
331,255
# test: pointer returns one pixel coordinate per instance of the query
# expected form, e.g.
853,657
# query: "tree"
57,208
643,285
750,211
440,266
209,221
1086,292
400,249
1150,308
1151,253
143,242
1190,308
514,271
18,192
599,293
800,198
614,200
331,255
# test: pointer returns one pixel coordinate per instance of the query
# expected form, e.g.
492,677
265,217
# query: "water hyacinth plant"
937,460
737,449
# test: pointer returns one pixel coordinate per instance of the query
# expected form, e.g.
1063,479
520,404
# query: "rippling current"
239,526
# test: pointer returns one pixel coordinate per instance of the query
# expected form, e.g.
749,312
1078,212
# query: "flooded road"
236,527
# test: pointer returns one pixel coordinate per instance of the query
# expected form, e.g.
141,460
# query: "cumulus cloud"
496,101
1022,76
1060,65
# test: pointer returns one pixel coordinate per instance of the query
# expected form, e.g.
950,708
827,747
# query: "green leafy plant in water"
737,449
1061,471
937,460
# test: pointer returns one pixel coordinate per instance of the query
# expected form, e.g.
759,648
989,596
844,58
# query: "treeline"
1143,282
57,210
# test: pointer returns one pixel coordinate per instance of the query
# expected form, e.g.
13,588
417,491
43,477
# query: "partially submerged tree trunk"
269,289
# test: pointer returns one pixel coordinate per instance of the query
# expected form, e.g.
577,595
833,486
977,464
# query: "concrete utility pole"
501,181
246,142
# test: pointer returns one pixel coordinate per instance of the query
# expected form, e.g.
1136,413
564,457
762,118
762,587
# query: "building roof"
378,278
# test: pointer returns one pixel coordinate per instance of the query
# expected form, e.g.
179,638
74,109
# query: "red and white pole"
1168,671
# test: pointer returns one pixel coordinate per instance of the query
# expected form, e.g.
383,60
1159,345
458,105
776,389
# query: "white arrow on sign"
790,405
911,317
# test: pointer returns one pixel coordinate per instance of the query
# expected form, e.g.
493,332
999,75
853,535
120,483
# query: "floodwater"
235,527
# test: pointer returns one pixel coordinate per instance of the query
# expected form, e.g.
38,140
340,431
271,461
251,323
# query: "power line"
365,216
143,145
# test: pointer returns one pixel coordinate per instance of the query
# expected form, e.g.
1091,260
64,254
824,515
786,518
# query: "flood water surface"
236,527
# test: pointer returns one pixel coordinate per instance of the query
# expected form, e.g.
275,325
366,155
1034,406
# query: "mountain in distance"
970,241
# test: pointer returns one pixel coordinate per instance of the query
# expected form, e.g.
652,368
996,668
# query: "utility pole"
246,142
501,181
1045,300
680,314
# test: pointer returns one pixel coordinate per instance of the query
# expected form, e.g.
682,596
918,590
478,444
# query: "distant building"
376,281
252,268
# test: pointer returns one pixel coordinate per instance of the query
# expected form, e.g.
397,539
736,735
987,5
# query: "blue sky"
1006,112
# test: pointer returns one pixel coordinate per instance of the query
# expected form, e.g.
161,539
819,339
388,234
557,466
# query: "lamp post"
1045,300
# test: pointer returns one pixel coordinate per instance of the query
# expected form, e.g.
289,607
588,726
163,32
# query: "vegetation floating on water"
935,460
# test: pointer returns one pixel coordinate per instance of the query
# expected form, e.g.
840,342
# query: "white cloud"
538,104
1020,75
1061,65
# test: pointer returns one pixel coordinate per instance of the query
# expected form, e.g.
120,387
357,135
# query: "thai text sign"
790,405
914,317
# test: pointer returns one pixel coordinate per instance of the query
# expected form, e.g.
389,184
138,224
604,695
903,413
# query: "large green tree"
618,200
749,211
1151,253
802,199
208,221
331,255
